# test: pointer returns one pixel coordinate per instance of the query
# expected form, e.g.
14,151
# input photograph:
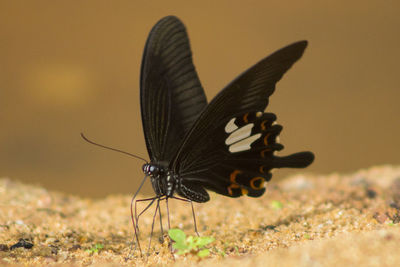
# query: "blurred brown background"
72,66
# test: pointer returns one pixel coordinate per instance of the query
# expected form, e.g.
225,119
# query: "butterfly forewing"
171,94
230,149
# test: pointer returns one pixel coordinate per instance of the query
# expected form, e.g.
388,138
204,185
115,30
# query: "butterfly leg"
152,224
169,223
194,216
135,221
147,207
137,244
161,239
194,219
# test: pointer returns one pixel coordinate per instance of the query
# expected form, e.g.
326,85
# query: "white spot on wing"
240,134
245,144
231,126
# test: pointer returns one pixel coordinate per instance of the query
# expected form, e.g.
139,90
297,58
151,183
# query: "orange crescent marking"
262,169
266,138
263,152
231,187
233,176
252,181
263,125
245,118
234,183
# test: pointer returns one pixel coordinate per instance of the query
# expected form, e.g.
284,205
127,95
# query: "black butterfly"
226,146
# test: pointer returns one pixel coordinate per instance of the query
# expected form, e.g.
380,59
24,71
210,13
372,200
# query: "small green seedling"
275,204
95,249
190,244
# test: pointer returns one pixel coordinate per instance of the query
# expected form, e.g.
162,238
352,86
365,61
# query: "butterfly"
227,146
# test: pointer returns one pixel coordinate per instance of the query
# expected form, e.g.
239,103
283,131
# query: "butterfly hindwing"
230,149
171,94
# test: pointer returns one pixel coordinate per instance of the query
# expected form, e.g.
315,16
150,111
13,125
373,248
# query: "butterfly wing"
171,95
230,149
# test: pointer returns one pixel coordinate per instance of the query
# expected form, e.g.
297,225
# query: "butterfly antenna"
110,148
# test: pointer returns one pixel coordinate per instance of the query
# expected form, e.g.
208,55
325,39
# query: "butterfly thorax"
162,179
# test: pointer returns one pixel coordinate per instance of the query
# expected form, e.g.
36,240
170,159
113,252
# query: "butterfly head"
152,170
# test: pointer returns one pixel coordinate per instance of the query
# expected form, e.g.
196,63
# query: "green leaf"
180,246
191,244
205,240
203,253
99,246
177,235
190,239
95,249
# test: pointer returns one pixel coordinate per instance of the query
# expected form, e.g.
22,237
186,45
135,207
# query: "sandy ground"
322,220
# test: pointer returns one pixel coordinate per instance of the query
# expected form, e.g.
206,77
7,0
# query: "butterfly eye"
150,169
153,170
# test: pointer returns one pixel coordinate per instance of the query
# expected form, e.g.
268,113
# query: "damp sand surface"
304,220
